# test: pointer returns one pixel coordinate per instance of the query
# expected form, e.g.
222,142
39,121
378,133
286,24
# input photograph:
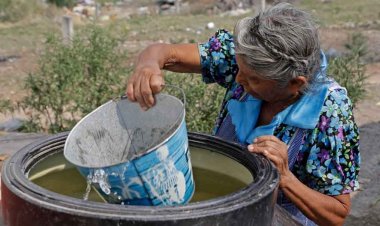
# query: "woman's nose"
239,78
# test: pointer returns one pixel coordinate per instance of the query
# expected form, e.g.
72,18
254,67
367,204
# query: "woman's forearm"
172,57
322,209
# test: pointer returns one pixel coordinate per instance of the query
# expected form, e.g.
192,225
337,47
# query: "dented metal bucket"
133,156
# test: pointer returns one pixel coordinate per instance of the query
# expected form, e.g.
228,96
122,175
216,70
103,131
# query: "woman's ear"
297,83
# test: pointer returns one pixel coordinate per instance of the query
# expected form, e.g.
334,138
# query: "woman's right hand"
146,80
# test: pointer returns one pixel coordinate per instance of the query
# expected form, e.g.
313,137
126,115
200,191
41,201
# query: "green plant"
72,80
349,70
62,3
103,2
202,101
6,106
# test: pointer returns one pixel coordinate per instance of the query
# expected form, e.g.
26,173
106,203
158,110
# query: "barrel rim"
16,177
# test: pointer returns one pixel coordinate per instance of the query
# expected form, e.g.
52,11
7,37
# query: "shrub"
62,3
103,2
349,70
73,80
7,107
202,101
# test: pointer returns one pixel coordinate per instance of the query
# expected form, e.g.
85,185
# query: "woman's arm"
173,57
147,78
320,208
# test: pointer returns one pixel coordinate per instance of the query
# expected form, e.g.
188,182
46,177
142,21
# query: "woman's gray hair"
280,44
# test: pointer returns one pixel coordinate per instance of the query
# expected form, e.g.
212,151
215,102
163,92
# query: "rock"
349,25
168,6
89,2
334,26
143,11
85,10
105,18
78,9
210,25
236,12
11,125
8,58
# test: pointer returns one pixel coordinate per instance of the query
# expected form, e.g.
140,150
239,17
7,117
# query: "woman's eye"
253,79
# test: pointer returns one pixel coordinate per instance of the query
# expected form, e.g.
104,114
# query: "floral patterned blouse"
329,158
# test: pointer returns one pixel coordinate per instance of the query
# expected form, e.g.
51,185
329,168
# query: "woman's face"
264,89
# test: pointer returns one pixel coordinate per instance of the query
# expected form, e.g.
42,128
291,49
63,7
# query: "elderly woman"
279,102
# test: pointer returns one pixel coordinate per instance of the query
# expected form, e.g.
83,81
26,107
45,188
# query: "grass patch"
342,11
16,10
26,35
177,28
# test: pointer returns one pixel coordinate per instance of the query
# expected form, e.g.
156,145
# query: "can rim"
177,124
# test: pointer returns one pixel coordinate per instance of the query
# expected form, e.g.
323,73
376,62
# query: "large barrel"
26,203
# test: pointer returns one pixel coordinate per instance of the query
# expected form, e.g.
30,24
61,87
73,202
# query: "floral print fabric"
329,156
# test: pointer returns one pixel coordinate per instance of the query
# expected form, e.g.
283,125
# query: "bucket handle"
163,87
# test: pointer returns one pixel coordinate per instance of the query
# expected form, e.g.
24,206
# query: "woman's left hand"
276,151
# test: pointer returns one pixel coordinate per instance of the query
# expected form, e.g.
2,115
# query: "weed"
62,3
72,80
202,101
349,70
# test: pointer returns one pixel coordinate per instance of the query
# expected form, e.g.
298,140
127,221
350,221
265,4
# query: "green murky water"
214,174
67,182
208,184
